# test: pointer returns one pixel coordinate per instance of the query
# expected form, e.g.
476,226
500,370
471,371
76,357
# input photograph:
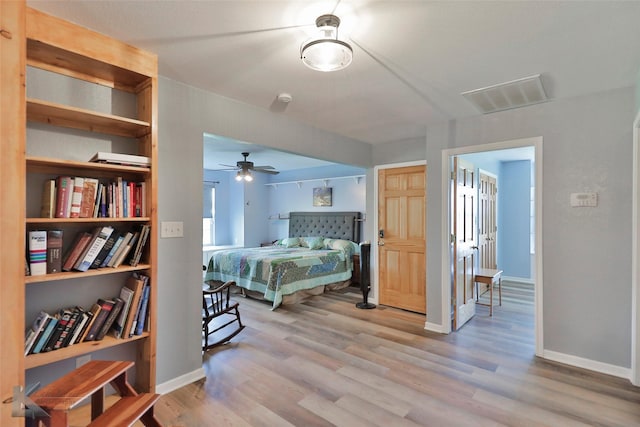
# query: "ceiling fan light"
248,177
326,52
239,176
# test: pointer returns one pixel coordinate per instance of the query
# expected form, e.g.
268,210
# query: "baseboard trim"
433,327
592,365
182,380
519,280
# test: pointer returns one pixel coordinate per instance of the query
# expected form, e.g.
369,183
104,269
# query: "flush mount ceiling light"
326,52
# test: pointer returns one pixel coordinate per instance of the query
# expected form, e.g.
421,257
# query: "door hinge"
452,238
453,176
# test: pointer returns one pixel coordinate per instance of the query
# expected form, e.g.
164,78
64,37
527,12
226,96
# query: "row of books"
122,317
104,246
83,197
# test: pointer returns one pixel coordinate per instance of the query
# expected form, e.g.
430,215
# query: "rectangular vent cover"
505,96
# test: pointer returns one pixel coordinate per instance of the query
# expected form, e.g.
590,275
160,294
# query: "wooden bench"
490,277
90,380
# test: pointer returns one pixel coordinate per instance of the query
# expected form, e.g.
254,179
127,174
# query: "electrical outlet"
82,360
171,229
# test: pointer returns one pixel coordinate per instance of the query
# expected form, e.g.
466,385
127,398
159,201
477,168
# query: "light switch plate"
171,229
584,200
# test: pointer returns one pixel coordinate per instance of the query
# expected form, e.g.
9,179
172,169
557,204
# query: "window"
208,214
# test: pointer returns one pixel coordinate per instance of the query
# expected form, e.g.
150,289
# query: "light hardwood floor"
324,363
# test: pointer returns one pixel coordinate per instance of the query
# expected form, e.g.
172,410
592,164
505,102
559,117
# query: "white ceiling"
412,59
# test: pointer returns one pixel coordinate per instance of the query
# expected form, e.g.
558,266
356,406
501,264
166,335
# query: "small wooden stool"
490,277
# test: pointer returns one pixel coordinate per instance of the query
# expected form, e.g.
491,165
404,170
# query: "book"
54,251
43,338
48,203
64,187
67,332
144,234
89,192
127,237
105,309
76,197
114,249
102,255
113,315
94,248
38,252
121,159
126,295
143,314
63,317
127,249
34,331
96,205
136,285
82,240
103,201
83,318
93,314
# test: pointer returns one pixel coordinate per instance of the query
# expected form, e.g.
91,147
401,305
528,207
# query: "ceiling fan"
244,168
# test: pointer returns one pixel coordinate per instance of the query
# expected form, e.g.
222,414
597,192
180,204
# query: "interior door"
401,237
464,241
487,226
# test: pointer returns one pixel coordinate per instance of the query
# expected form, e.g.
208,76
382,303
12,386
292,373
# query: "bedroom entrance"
512,244
401,237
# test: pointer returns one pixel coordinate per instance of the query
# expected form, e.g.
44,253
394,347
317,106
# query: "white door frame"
536,143
374,238
635,256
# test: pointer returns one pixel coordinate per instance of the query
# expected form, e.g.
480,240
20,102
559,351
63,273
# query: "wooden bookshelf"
32,38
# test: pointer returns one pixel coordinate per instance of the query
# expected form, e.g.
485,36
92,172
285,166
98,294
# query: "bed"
316,256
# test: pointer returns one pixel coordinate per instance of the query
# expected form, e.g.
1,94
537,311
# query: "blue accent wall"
248,214
514,206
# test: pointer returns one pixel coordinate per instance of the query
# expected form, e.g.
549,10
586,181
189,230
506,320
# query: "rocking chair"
216,305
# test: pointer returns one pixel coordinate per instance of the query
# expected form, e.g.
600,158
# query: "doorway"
536,224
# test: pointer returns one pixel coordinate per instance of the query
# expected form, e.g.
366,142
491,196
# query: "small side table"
490,277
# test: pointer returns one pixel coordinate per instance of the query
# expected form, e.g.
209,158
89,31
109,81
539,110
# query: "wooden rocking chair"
216,305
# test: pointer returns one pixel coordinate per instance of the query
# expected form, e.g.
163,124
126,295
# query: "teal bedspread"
275,271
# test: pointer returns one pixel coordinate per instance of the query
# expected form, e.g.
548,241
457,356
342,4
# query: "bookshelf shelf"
68,275
99,170
100,220
41,359
78,118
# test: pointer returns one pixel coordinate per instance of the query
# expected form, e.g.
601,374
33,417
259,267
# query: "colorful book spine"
38,252
142,315
64,187
76,197
54,251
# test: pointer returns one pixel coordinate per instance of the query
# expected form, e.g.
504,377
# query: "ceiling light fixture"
326,52
244,175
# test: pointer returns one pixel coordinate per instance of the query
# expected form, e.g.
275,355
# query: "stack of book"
83,197
103,246
123,316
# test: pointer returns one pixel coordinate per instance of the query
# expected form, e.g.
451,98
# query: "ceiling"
412,59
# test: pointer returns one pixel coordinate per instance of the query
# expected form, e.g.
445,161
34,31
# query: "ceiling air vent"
505,96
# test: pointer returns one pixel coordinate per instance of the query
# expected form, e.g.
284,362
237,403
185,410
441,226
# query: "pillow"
348,247
312,243
291,242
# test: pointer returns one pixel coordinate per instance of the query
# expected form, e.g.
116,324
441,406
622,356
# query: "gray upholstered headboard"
333,225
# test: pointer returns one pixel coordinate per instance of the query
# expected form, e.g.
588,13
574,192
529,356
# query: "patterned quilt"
275,271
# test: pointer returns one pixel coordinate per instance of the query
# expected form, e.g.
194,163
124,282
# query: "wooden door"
464,241
401,238
487,226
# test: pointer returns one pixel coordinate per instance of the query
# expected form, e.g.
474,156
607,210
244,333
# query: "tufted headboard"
333,225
